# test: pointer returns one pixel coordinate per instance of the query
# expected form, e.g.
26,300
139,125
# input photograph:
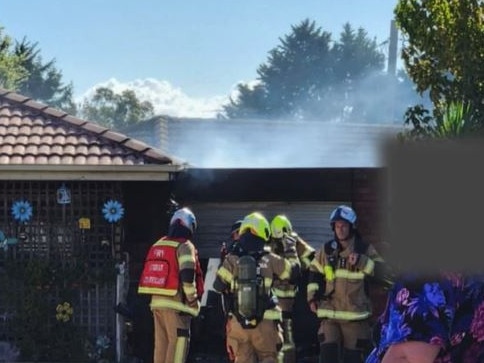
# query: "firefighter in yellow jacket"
253,332
337,290
172,276
286,243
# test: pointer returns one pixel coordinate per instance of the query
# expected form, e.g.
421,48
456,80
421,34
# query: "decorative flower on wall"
113,211
22,210
64,312
6,241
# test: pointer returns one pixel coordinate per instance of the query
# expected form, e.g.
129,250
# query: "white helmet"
186,218
343,213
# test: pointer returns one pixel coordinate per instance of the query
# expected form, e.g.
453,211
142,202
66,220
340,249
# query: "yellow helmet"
256,224
280,224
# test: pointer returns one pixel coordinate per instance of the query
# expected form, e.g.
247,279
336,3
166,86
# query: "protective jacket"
304,251
172,275
285,247
340,290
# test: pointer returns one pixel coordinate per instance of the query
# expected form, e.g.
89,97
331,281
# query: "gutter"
91,172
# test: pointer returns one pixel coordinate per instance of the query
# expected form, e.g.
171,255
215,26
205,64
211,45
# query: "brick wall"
368,193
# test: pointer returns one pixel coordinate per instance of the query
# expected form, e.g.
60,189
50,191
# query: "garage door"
309,219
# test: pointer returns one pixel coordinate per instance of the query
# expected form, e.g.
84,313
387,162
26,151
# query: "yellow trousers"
172,336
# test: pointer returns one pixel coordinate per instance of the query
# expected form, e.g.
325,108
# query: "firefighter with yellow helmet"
253,332
286,243
337,290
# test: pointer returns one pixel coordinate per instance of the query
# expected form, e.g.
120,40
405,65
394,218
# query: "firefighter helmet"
343,213
256,224
186,218
280,224
236,226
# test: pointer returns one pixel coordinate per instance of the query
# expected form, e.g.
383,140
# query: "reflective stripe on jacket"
344,296
185,298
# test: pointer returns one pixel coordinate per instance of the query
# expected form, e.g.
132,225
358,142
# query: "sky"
184,56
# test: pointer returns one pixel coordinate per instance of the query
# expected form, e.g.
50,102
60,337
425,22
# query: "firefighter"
337,290
288,244
172,276
253,332
234,236
227,298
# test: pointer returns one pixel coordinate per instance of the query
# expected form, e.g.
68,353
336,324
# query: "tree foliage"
12,72
115,110
443,53
308,75
23,70
44,81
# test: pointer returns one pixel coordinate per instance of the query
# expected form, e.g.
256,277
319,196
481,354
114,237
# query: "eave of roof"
86,172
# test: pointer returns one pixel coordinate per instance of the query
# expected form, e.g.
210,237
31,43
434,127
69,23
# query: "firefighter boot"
289,348
328,353
352,356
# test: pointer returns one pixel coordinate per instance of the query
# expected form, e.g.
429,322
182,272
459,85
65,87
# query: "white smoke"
278,143
256,143
165,98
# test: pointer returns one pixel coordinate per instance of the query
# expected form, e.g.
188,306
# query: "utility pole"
392,49
392,70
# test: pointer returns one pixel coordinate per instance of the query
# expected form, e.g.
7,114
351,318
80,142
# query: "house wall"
361,187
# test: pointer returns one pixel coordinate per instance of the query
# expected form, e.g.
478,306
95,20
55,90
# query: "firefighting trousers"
350,334
289,347
171,336
260,344
353,336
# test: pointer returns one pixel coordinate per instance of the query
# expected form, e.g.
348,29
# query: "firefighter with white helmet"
247,273
286,243
173,277
337,290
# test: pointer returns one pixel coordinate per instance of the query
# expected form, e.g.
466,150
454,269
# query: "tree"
12,72
44,81
308,75
115,110
443,54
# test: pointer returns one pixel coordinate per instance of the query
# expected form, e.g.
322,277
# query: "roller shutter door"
309,219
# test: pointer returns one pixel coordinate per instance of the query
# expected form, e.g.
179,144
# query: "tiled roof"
32,133
246,143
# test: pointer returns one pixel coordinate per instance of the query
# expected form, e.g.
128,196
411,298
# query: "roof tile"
41,159
67,159
55,113
80,160
74,120
34,133
54,159
15,97
115,136
29,159
16,159
95,128
32,149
